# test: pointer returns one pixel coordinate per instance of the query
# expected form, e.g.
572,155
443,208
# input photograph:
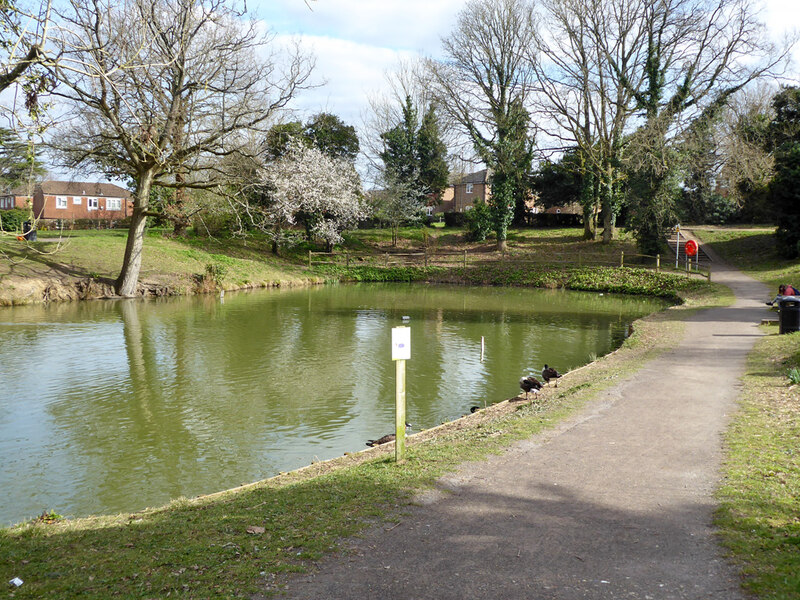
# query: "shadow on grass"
201,548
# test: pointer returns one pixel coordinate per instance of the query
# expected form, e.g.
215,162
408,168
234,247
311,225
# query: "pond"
113,406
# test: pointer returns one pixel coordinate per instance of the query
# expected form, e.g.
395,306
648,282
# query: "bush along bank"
672,286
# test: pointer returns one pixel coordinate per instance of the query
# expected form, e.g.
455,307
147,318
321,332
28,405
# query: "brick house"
71,200
14,198
469,188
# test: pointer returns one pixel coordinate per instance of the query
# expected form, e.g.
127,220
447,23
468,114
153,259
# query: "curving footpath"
615,504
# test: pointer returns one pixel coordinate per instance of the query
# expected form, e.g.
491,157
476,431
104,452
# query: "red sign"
690,248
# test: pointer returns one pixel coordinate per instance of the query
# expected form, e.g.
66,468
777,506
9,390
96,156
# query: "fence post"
465,259
309,259
622,259
386,259
658,262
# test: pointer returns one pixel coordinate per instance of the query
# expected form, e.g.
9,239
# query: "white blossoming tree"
306,186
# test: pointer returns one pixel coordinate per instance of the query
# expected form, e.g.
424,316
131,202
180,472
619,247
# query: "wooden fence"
466,258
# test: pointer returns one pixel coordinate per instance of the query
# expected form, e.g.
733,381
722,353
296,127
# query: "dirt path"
615,504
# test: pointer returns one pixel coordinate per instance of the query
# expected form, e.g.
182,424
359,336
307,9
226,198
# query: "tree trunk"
126,283
180,223
128,279
588,223
502,245
607,199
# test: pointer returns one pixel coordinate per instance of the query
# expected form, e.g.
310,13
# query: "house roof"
17,191
477,177
83,188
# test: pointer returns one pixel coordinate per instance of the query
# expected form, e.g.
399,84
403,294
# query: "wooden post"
400,412
465,259
401,351
622,259
386,259
658,262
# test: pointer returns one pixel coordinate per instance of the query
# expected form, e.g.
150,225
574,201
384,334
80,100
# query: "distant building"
14,198
72,200
470,188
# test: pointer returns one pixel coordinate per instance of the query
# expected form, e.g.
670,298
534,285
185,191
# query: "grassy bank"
85,263
754,252
758,516
176,266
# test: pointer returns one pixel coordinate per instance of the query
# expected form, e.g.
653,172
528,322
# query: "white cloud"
352,72
413,25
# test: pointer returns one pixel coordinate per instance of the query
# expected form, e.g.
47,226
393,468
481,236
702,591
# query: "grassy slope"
98,254
758,516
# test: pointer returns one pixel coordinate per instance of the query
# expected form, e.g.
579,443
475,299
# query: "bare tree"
742,139
24,34
624,79
483,85
582,99
699,54
159,88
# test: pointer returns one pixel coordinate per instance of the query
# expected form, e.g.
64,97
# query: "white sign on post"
401,343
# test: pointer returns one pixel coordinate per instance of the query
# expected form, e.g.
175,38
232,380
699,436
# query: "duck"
387,438
530,384
549,373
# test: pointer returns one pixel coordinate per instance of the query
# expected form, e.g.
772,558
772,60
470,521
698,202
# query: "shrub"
12,220
479,221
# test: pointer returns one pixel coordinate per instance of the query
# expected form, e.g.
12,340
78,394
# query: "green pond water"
113,406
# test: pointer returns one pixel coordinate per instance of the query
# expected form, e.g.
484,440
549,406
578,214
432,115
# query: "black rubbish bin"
789,319
28,232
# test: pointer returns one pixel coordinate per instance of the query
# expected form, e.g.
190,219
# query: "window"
114,204
91,203
469,188
61,202
77,199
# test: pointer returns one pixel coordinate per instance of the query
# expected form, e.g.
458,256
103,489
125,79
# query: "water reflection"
113,406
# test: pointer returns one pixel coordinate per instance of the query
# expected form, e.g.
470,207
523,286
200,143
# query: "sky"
356,42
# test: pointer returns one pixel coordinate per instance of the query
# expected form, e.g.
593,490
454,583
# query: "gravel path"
616,503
